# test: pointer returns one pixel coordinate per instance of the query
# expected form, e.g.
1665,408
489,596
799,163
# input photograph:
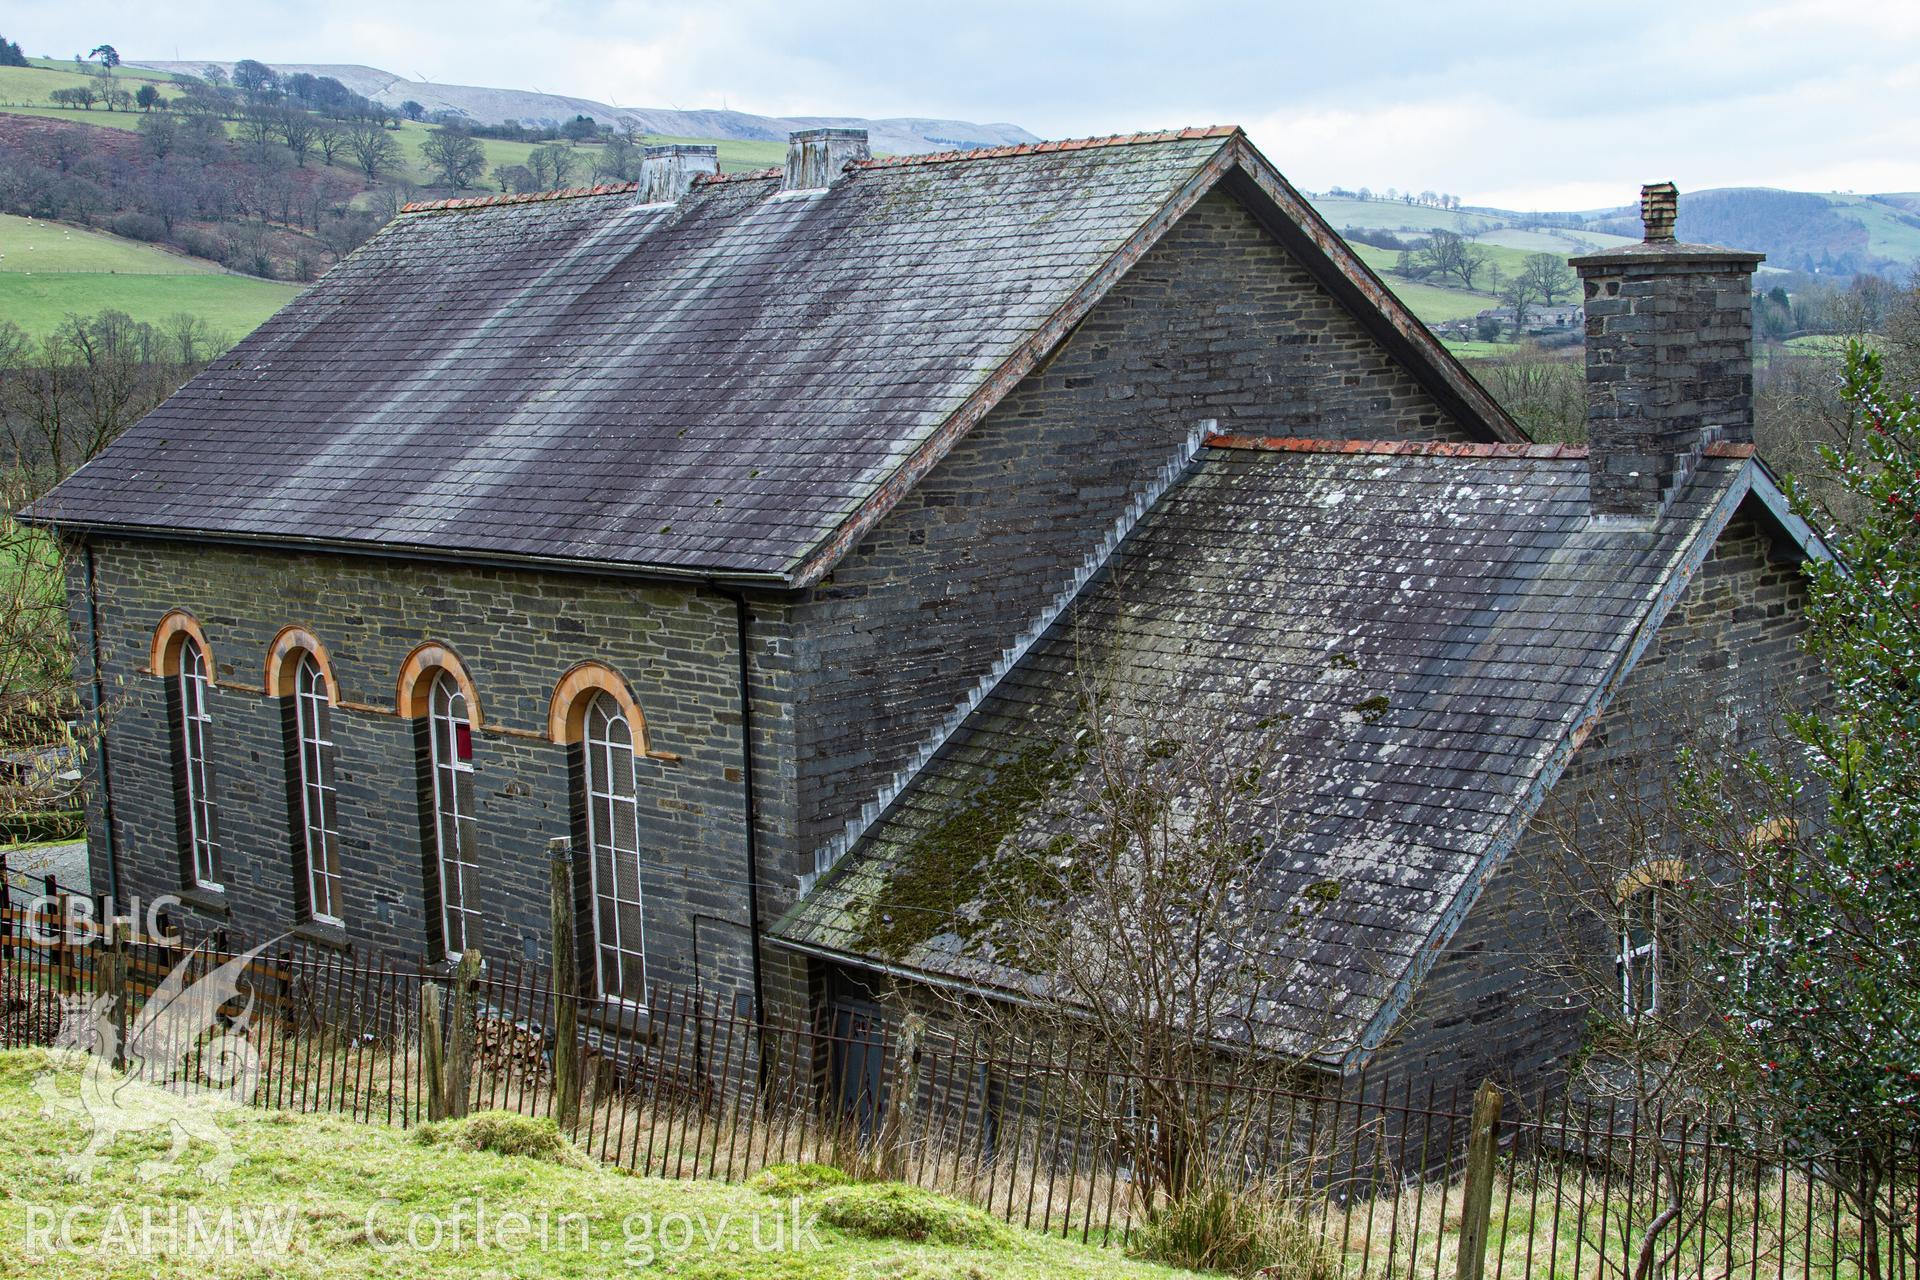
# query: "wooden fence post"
111,981
432,1051
1483,1144
566,1010
460,1039
57,906
903,1096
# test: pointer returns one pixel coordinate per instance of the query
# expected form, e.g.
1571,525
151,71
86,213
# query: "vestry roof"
1407,641
734,385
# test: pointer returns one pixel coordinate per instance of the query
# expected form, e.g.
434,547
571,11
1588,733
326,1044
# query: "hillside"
490,106
1828,233
49,270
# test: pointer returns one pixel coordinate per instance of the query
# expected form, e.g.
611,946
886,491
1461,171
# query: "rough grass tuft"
503,1133
895,1211
1243,1232
784,1181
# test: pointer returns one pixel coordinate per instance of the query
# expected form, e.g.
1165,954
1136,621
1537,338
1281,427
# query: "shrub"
139,226
503,1133
895,1211
1241,1231
784,1181
203,245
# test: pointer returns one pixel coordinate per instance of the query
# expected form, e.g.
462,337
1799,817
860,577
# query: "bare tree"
372,148
329,138
552,165
1130,883
455,156
299,130
1548,276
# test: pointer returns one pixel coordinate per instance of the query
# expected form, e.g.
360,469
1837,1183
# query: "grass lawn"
331,1198
230,305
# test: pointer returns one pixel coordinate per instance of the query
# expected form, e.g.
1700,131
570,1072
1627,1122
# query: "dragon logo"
185,1067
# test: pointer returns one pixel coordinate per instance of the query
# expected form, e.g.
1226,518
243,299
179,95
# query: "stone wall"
1217,322
1726,659
516,633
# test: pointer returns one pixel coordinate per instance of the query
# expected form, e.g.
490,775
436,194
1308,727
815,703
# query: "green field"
231,305
33,246
31,85
734,155
49,271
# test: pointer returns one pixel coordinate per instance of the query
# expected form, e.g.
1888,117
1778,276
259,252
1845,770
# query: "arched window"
315,802
450,760
180,654
195,722
613,838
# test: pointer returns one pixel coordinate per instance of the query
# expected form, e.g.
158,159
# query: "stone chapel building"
739,529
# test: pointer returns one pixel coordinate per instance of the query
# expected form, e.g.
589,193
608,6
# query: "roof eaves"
387,550
1679,576
1374,303
818,562
1773,496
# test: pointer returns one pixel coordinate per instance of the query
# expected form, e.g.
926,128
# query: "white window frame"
319,799
1641,957
457,866
608,762
196,720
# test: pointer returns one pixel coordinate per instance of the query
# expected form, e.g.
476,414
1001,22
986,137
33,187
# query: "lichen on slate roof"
711,386
1419,629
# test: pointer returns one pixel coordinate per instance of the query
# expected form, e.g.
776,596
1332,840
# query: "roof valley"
830,853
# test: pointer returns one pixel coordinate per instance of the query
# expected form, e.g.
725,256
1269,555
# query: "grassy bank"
334,1198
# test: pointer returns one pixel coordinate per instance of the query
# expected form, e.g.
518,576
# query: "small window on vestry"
450,732
1640,960
193,726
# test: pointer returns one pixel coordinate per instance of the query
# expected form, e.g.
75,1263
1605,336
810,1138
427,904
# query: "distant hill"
1831,234
1818,232
491,106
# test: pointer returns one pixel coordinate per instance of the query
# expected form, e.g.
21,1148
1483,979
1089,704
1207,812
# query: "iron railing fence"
1049,1137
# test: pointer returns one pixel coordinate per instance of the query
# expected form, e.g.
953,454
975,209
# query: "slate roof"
1411,639
734,385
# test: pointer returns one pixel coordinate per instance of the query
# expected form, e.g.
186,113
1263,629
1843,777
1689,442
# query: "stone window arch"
435,690
299,672
567,710
183,657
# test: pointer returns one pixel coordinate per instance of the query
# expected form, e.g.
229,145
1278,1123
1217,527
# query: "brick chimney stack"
1669,359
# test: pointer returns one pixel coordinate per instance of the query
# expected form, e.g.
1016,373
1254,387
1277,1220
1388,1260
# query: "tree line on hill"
244,167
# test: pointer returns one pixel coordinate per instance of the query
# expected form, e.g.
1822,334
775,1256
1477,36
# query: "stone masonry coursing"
516,633
1217,322
1732,646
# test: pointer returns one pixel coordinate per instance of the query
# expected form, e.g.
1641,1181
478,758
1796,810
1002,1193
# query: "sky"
1539,105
